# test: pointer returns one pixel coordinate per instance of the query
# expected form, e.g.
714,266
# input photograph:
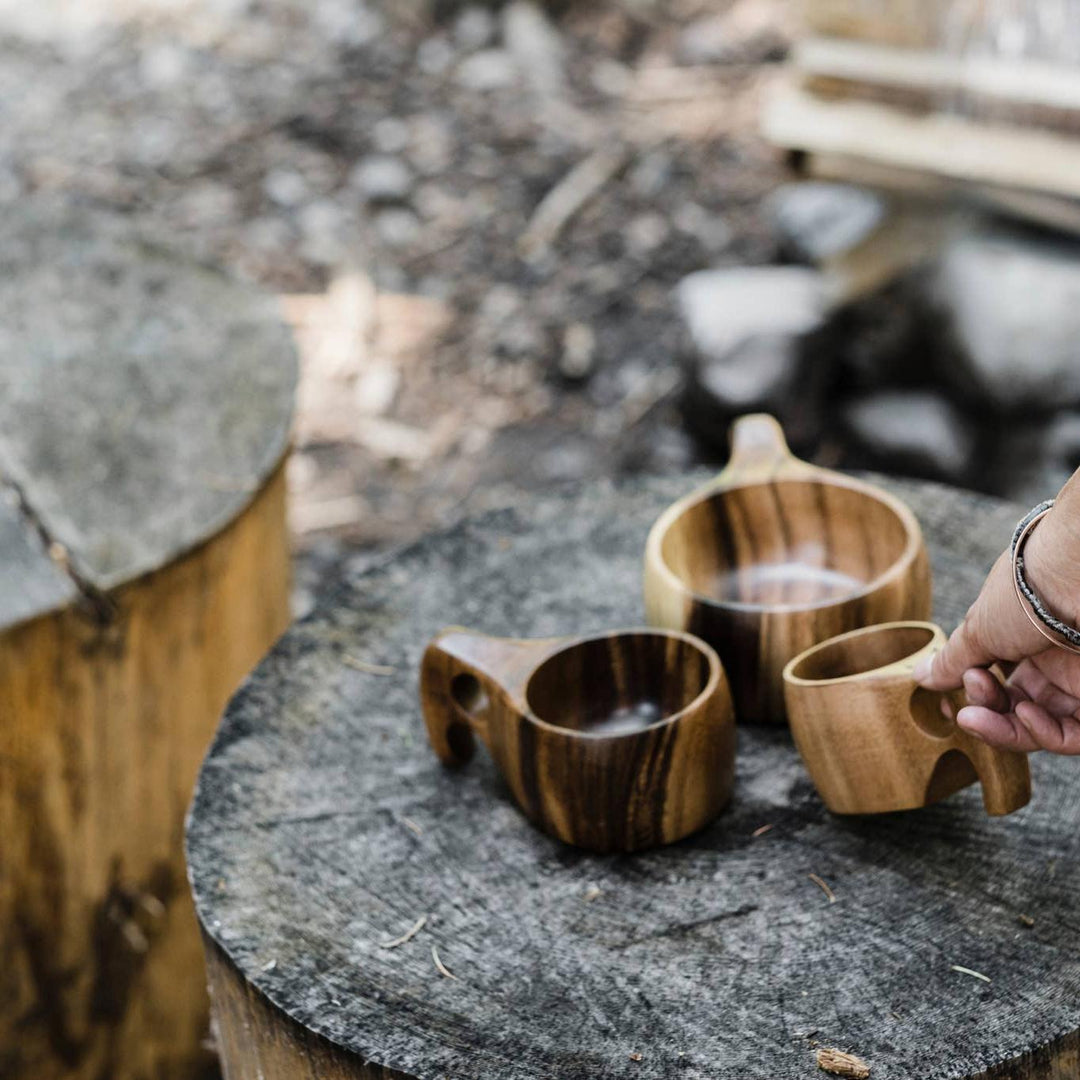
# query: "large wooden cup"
617,742
873,740
776,555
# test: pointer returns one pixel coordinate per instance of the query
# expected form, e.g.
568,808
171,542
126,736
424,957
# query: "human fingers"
1059,735
1002,730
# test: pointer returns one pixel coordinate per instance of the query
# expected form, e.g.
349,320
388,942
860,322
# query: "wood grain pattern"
776,555
617,742
873,741
324,826
104,725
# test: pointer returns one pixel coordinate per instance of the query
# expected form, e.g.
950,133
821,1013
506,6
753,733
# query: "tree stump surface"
144,398
145,403
323,827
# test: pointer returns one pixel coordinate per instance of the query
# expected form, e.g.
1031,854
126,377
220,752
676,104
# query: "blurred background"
526,243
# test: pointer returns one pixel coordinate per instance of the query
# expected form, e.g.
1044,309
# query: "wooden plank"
324,827
940,144
937,74
898,22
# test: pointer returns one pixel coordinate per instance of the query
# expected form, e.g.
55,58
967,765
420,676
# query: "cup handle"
759,452
1004,775
461,675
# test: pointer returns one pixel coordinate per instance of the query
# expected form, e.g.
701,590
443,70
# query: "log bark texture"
324,829
143,570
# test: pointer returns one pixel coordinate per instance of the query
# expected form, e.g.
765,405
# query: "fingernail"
923,668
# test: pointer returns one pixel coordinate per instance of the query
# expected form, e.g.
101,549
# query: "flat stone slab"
143,398
323,827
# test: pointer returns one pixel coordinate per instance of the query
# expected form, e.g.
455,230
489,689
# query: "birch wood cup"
615,742
776,555
873,740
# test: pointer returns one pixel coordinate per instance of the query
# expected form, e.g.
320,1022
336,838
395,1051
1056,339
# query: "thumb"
945,669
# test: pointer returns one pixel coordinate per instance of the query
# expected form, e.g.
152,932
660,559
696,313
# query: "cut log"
323,829
949,146
144,412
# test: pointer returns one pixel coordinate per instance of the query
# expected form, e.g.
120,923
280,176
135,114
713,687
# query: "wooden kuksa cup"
616,742
873,740
775,555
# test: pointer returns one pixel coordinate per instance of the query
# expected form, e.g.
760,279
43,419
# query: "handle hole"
468,695
926,710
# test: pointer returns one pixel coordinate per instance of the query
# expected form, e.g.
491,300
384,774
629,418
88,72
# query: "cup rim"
716,675
912,535
932,629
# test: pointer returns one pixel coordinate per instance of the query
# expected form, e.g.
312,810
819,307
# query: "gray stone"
536,45
578,356
818,220
382,178
286,187
490,69
143,398
914,431
474,27
1014,302
323,825
397,227
759,374
724,308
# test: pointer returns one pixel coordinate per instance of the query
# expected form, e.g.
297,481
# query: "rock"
434,56
651,173
487,70
1014,303
390,135
286,187
724,308
912,431
578,357
645,233
749,329
818,220
711,230
382,178
474,28
397,227
536,45
324,228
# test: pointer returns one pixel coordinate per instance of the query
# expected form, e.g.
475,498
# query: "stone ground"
384,168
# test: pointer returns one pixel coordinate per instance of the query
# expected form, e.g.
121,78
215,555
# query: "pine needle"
407,936
440,966
761,831
973,974
823,886
366,666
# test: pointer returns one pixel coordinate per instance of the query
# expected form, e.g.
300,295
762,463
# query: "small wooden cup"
775,555
873,740
616,742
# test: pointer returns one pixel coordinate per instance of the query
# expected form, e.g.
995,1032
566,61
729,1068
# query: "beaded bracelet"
1053,629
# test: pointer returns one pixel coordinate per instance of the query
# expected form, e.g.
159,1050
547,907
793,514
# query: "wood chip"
973,974
367,667
821,884
270,965
439,964
1025,920
592,892
407,936
761,830
635,1056
841,1063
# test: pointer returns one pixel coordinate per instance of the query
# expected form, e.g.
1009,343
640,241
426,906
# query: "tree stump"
933,944
144,411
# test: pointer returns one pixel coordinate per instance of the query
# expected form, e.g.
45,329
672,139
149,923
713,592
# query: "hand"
1039,707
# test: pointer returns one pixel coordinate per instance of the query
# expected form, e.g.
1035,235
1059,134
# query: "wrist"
1051,564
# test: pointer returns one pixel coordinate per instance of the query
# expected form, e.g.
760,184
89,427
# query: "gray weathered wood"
323,826
143,398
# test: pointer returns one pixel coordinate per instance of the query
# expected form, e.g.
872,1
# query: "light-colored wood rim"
780,465
904,664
